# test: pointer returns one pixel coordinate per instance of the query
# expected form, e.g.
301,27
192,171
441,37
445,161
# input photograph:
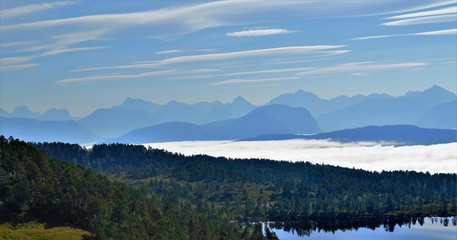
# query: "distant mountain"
49,131
113,122
263,120
393,134
24,112
406,109
318,106
139,104
137,113
441,116
54,114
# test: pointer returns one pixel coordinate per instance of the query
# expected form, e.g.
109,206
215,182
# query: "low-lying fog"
441,158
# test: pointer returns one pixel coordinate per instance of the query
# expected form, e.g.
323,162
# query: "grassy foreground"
36,231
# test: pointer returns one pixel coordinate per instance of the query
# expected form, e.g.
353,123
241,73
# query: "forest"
35,187
113,190
260,189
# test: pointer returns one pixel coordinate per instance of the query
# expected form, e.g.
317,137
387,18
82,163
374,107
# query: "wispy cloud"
448,10
439,32
17,67
281,70
123,76
430,33
361,67
317,50
168,51
423,20
33,8
253,80
259,32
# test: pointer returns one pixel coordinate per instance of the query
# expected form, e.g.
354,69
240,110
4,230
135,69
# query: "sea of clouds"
440,158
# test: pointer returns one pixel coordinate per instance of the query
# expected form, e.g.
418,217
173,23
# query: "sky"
82,55
371,156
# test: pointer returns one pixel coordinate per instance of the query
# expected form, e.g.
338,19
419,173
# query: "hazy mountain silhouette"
137,113
50,131
24,112
114,122
54,114
263,120
139,104
441,116
420,107
406,109
392,134
318,106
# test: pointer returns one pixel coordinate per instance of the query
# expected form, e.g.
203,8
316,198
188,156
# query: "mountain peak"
57,114
138,104
240,100
435,89
24,112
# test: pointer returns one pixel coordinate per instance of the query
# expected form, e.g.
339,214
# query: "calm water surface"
430,229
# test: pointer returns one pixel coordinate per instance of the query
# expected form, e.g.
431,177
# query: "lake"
416,228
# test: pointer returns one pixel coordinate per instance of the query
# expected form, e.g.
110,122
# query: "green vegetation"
35,231
254,189
35,187
153,194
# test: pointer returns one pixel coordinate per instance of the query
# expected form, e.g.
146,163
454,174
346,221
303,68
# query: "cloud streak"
113,77
361,67
317,50
448,10
369,156
423,20
259,32
255,80
33,8
430,33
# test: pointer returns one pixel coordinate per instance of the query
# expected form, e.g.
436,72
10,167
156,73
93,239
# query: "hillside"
268,190
35,187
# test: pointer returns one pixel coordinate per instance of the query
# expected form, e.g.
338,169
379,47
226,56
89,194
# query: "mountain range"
301,112
263,120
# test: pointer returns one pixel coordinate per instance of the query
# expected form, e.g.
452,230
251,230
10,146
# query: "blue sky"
82,55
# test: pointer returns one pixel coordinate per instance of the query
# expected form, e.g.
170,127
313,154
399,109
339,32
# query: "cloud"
111,77
423,20
33,8
173,22
369,156
17,67
439,32
256,80
430,33
168,51
281,70
317,50
259,32
363,67
448,10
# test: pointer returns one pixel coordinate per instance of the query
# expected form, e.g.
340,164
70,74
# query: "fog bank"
441,158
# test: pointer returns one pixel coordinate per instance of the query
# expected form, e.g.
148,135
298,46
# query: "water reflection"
368,228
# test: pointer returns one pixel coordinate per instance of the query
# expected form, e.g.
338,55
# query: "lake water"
424,229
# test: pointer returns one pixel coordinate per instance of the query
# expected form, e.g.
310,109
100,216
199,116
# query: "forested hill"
264,189
35,187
